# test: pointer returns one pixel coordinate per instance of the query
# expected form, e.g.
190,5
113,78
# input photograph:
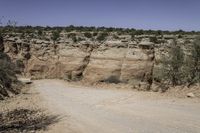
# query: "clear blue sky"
139,14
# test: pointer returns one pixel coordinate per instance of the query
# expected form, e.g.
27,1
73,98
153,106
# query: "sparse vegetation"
95,34
88,35
193,63
25,120
31,29
115,36
102,36
173,65
40,32
55,35
154,39
180,68
8,79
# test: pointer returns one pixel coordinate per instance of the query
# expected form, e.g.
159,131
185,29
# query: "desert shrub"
102,36
180,36
28,31
69,28
115,36
25,120
80,39
173,65
193,63
132,34
7,76
154,39
74,39
19,66
95,34
71,35
47,39
180,32
139,32
179,68
40,32
8,79
88,35
159,32
23,35
55,35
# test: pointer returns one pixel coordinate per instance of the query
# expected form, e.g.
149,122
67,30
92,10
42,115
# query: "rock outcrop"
127,60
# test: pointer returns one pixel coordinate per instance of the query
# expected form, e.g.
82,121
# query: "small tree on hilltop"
88,35
102,36
55,37
154,39
40,33
193,63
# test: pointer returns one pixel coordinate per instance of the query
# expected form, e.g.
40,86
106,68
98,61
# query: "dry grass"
25,120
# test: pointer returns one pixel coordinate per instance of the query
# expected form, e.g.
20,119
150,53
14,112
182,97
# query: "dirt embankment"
25,113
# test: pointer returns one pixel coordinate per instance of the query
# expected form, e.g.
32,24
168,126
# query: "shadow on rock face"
24,120
1,44
112,79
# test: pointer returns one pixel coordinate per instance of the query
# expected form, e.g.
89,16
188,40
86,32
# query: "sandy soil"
97,110
26,113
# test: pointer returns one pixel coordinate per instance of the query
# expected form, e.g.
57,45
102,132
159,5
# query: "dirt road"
90,110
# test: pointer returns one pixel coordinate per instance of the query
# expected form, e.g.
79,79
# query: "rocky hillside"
8,80
92,57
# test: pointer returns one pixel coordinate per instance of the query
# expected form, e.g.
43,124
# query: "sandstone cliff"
122,59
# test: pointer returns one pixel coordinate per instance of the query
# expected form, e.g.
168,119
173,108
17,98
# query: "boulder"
25,80
190,95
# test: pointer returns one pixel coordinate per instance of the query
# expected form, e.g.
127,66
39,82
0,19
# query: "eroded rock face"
8,80
131,61
125,64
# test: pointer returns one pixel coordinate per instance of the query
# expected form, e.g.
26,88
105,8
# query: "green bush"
154,39
74,39
115,36
71,35
55,35
7,76
102,36
95,34
173,65
40,33
88,35
193,63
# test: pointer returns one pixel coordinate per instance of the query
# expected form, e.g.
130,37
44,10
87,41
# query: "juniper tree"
193,63
173,65
55,37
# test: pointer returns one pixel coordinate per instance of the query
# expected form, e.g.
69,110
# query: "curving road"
91,110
